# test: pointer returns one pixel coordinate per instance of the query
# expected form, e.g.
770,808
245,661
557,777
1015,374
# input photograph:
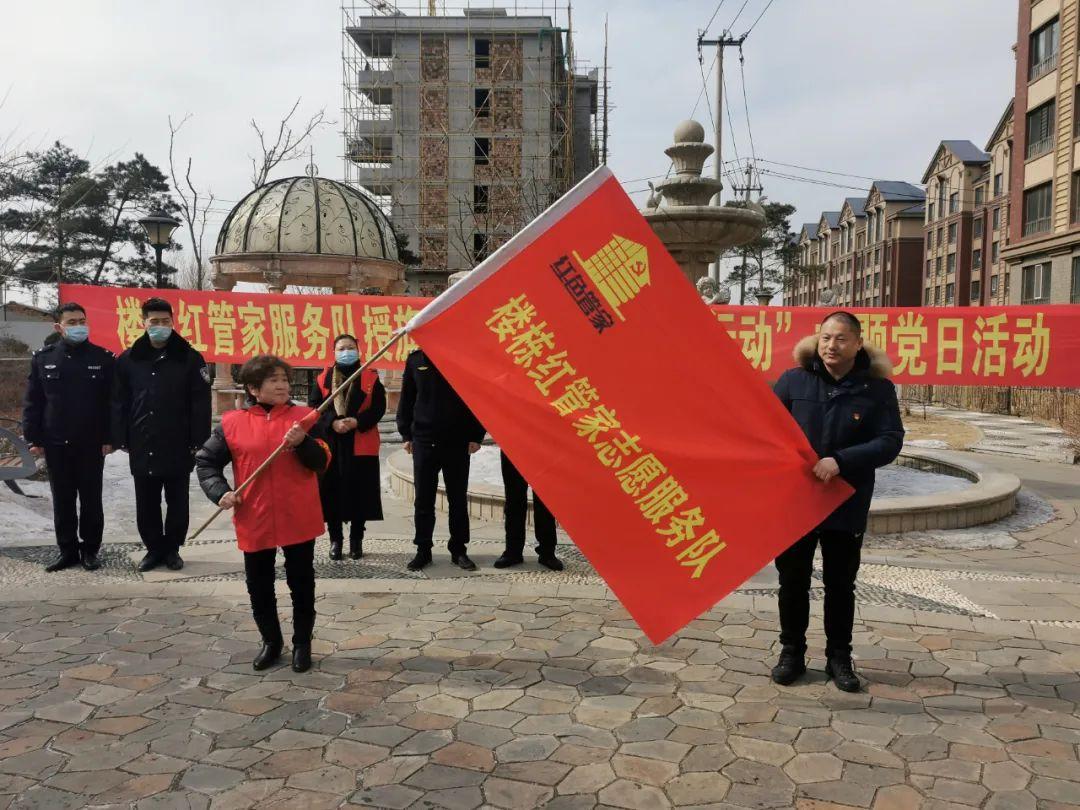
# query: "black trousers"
299,574
840,555
336,529
516,511
75,474
452,459
162,537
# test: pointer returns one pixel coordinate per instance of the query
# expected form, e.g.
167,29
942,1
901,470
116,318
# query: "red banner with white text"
987,346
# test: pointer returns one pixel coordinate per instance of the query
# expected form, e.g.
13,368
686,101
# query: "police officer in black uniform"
441,433
66,420
161,416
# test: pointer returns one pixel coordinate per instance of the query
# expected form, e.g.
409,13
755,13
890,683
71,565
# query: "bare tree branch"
288,144
192,212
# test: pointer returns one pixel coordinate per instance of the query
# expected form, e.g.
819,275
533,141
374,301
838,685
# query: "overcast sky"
865,88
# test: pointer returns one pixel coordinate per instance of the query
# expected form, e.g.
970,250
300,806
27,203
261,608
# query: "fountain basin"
985,495
695,234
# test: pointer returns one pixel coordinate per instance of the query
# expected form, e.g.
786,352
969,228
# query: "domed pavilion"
308,231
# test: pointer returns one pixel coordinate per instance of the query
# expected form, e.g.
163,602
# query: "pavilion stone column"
224,393
274,278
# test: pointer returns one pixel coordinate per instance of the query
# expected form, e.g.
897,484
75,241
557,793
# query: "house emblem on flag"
619,270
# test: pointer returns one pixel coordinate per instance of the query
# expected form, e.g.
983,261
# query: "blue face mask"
346,357
76,334
159,334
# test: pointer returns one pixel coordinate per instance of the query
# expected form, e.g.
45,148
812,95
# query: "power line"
759,16
713,17
746,105
741,9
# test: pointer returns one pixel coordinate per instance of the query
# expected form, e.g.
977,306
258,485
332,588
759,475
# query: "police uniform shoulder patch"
204,372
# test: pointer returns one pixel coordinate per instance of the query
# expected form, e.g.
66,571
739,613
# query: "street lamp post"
159,227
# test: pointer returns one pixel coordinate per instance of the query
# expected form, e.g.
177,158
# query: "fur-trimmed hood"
874,361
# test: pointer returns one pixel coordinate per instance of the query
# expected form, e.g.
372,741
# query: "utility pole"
725,41
746,198
603,158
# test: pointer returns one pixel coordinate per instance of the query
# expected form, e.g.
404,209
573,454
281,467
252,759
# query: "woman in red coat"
281,507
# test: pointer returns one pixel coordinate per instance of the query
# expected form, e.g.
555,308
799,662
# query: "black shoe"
65,560
301,657
356,548
508,560
789,668
335,549
150,562
268,656
842,670
90,561
173,561
421,560
463,562
550,561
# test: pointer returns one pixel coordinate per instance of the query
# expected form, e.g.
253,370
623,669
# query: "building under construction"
464,123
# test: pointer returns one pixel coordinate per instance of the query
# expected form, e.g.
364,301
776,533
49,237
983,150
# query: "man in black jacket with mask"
161,416
66,419
842,399
441,433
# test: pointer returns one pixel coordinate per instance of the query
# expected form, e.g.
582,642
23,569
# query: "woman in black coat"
350,489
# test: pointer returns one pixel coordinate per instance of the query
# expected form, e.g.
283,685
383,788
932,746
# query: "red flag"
591,359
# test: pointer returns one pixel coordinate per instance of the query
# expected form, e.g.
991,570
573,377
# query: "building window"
482,102
479,246
994,284
926,296
997,184
1040,131
976,228
952,234
976,291
482,53
480,199
1006,293
937,296
949,293
929,268
950,264
1043,54
940,236
481,150
976,259
995,219
1074,286
1074,199
1036,284
980,194
877,226
930,213
937,266
1037,203
995,253
954,202
877,256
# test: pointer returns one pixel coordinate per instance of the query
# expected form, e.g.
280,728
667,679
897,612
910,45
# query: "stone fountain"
693,231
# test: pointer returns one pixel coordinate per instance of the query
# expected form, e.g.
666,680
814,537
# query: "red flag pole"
309,420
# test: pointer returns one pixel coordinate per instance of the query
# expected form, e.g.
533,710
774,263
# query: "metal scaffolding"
464,122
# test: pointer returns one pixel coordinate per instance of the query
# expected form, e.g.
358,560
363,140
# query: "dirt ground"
958,435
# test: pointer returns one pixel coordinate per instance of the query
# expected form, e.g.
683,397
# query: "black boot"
842,670
508,559
790,667
356,546
301,657
268,655
421,560
336,538
67,559
463,562
550,561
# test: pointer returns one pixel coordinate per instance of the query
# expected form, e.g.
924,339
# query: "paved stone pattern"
425,700
1014,436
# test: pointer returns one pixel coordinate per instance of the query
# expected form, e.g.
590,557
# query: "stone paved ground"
419,699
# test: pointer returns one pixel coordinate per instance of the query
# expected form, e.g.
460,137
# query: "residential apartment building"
955,171
990,279
464,126
1043,250
868,252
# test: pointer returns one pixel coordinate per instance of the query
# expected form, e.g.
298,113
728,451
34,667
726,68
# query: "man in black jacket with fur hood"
841,397
161,416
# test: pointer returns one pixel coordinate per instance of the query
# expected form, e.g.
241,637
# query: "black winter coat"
429,409
855,420
161,406
67,395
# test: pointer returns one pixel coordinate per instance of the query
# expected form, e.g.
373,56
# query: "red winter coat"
281,507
